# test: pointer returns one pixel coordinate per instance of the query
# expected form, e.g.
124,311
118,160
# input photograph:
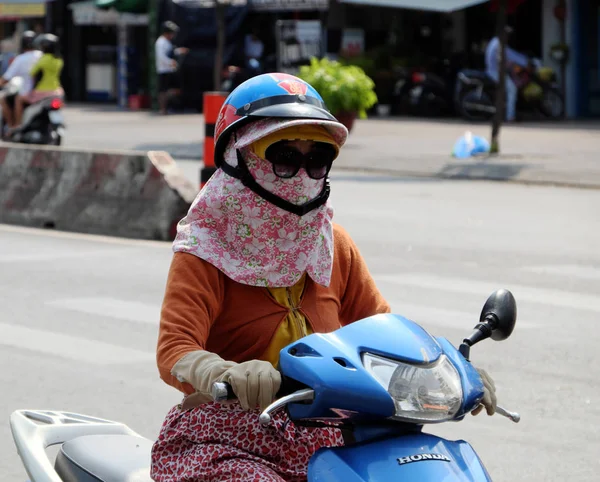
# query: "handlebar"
513,416
222,392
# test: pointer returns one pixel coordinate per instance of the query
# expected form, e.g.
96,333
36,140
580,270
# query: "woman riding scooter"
46,74
258,264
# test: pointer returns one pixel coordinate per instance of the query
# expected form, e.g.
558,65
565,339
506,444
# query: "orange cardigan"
203,309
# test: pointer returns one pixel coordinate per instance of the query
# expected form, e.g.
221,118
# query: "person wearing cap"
492,68
166,65
20,67
258,263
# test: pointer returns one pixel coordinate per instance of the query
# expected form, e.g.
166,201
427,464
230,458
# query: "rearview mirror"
500,311
497,320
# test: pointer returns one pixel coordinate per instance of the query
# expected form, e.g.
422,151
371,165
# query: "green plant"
344,88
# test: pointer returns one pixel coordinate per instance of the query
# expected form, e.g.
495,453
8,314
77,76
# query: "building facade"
576,25
541,26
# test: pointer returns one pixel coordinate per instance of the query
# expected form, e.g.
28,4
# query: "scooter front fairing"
415,457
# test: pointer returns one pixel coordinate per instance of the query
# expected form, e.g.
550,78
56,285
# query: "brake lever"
304,395
514,416
221,392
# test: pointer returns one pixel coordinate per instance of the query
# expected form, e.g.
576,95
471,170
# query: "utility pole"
220,7
501,91
152,36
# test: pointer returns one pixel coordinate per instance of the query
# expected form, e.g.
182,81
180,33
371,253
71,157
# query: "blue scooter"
380,379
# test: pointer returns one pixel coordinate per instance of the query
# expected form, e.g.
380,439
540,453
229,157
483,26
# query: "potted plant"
346,90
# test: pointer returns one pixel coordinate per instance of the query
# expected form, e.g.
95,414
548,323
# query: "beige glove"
255,382
489,394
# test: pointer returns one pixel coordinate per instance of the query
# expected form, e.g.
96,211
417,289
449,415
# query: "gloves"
255,383
489,394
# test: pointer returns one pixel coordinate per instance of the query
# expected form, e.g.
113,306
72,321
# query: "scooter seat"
105,458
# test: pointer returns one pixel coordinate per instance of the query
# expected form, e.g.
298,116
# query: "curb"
459,177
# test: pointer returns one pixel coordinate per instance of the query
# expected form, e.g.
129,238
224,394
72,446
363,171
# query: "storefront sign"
353,42
297,42
22,10
86,13
283,5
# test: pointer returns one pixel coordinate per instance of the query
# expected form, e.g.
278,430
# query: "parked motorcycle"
42,122
380,379
232,76
539,93
427,92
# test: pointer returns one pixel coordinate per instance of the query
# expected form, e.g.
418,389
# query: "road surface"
80,313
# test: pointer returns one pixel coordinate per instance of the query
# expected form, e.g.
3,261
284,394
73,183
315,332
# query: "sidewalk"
564,153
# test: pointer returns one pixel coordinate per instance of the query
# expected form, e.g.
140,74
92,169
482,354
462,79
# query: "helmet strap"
242,173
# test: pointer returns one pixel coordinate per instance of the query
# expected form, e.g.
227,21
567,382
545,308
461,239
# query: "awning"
288,5
260,5
208,3
433,5
126,6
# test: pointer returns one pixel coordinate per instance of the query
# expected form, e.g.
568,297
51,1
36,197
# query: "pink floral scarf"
250,240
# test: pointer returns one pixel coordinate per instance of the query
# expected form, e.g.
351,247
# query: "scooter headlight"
424,394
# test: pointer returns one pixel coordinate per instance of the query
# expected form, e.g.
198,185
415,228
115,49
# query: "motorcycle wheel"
475,107
552,104
54,138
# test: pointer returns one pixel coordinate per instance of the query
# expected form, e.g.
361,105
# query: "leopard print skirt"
223,443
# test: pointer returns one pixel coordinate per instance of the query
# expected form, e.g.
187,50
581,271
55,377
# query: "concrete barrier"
116,193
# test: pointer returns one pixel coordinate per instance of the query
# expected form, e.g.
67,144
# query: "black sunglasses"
287,160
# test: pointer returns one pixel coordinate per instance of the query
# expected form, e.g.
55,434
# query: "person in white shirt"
492,67
166,65
253,51
20,67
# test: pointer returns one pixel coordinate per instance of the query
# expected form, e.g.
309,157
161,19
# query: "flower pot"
346,118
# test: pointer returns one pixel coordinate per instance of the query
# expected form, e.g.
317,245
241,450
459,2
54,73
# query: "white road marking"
53,255
113,308
71,347
568,270
551,297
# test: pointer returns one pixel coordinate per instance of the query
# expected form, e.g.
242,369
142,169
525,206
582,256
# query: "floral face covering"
252,241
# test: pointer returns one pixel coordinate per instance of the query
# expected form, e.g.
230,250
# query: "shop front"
16,16
585,53
111,51
294,31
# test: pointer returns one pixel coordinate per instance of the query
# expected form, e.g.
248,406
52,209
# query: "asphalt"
549,153
79,317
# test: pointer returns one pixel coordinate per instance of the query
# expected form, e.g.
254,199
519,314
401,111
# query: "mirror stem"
465,350
482,330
